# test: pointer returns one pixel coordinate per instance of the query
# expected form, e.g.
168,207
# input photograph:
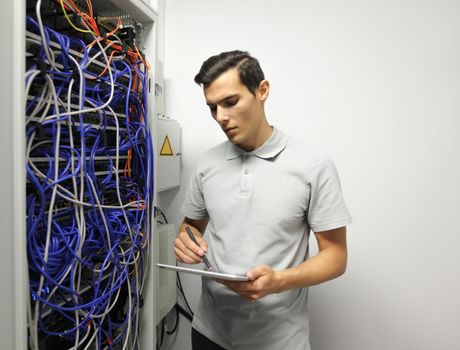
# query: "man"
251,204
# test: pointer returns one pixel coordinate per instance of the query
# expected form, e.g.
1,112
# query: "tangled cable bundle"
89,186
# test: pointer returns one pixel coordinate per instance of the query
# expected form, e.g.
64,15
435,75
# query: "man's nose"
221,115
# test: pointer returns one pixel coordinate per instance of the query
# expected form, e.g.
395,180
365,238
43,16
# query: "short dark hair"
248,67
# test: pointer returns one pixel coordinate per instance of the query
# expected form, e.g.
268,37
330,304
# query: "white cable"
57,115
82,341
90,342
50,213
66,194
80,204
93,58
96,196
136,329
40,102
77,270
117,159
48,52
129,314
109,307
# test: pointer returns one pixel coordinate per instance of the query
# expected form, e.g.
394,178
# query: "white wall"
376,84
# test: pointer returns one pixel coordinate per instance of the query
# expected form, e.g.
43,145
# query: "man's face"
239,113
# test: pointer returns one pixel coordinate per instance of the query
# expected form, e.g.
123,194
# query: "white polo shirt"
261,207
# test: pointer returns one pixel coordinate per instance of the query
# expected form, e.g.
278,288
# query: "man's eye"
230,103
213,108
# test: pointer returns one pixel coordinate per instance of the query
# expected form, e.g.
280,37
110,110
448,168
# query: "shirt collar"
270,149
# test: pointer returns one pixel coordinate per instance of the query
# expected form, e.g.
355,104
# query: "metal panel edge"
139,10
21,285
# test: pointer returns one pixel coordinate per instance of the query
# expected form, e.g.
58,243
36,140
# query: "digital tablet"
218,275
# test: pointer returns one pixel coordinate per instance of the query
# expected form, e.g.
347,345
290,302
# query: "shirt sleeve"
194,206
327,209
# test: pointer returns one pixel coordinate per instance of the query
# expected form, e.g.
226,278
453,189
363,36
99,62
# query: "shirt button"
246,171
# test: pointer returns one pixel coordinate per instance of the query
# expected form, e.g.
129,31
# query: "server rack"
18,214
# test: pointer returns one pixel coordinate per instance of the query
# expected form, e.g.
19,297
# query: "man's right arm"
185,249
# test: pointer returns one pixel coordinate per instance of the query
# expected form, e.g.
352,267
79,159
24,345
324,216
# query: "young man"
251,204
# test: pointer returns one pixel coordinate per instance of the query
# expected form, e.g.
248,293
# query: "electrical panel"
166,281
168,136
90,174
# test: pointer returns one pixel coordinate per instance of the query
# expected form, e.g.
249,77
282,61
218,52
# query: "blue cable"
65,236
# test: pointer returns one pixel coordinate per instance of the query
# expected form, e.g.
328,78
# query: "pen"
192,237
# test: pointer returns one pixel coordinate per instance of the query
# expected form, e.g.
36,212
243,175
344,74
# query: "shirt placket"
246,183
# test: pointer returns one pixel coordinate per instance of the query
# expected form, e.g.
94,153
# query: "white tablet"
218,275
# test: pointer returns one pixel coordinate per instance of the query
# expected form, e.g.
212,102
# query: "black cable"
162,214
176,323
164,217
183,294
162,336
184,312
159,336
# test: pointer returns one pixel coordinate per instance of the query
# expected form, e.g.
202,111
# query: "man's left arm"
330,262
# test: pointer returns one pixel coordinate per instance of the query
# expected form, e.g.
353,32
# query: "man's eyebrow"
223,100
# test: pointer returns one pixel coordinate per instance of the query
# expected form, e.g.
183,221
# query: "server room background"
376,84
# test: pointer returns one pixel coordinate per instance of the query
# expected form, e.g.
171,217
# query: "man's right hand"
185,249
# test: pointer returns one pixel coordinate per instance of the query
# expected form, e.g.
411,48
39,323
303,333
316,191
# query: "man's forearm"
328,264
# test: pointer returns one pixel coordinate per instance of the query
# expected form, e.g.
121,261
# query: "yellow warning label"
166,149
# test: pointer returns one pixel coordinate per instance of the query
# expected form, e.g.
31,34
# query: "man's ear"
263,90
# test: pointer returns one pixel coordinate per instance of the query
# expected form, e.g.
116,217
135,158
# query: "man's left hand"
262,281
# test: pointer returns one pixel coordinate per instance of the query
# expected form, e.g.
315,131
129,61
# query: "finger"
251,297
258,272
240,287
248,295
203,244
184,258
184,253
187,241
182,246
199,239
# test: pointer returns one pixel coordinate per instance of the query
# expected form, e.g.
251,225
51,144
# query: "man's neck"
263,134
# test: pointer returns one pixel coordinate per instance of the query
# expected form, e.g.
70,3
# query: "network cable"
90,186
